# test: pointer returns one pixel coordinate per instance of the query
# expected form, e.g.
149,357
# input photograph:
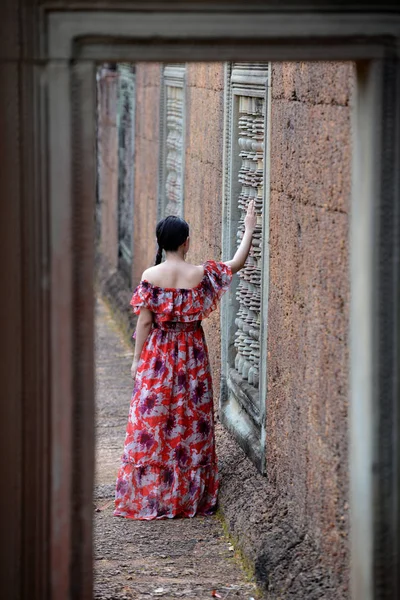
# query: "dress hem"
182,515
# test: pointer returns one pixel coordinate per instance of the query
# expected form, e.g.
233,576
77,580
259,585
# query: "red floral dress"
169,466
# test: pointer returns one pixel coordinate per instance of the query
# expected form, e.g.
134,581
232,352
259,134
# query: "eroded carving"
172,141
174,151
251,132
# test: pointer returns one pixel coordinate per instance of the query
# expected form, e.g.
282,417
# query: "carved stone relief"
126,151
251,133
244,310
172,141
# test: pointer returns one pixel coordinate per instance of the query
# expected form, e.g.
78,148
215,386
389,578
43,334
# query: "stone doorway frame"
73,42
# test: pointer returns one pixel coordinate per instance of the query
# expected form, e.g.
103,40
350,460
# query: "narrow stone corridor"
184,558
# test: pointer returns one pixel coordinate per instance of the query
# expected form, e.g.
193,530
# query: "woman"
169,466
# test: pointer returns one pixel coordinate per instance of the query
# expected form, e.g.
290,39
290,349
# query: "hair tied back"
158,255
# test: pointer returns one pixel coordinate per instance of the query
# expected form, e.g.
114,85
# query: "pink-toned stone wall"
148,79
303,501
203,180
307,403
108,165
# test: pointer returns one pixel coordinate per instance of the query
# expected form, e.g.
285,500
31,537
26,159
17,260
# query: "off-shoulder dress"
169,467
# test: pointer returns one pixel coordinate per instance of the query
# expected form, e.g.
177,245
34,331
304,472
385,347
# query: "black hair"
171,233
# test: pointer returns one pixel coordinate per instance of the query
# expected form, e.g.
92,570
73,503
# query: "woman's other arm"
242,252
143,327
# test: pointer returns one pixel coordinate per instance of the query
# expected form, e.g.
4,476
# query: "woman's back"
178,275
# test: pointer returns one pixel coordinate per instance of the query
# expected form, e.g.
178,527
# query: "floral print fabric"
169,465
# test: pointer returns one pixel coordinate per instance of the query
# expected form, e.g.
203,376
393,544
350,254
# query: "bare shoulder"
183,275
194,274
150,273
199,269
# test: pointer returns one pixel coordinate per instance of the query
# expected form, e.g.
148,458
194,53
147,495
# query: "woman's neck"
177,256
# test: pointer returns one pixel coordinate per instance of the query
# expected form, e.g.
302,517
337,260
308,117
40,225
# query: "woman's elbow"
235,266
145,318
146,322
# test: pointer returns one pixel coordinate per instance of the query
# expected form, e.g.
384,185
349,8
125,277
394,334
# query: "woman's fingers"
250,208
250,220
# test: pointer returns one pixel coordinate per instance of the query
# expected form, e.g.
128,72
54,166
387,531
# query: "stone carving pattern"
126,109
251,131
174,150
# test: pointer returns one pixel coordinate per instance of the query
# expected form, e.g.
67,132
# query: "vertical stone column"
245,309
107,156
126,151
308,362
147,148
172,153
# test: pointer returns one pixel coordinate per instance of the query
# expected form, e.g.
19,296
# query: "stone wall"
111,280
203,180
309,300
107,152
294,524
148,79
126,158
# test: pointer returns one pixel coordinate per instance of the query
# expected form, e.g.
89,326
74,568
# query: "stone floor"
182,558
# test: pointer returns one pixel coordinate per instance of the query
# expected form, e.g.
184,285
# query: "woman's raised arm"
242,252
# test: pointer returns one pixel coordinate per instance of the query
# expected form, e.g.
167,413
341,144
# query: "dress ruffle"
151,491
184,304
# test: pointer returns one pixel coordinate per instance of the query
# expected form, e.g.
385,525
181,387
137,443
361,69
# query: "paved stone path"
180,558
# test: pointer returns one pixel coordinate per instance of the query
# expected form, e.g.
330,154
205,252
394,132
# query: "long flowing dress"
169,465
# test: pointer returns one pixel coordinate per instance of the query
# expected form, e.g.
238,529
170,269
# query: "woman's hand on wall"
250,220
242,252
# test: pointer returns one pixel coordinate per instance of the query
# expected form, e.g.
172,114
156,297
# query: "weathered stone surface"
287,562
312,154
203,181
307,449
172,135
313,82
107,148
126,157
148,77
206,76
251,144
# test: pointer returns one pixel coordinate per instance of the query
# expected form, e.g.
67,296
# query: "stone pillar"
147,142
172,141
107,157
245,307
126,167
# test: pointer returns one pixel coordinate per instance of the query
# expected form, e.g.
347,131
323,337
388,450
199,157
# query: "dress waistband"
177,326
